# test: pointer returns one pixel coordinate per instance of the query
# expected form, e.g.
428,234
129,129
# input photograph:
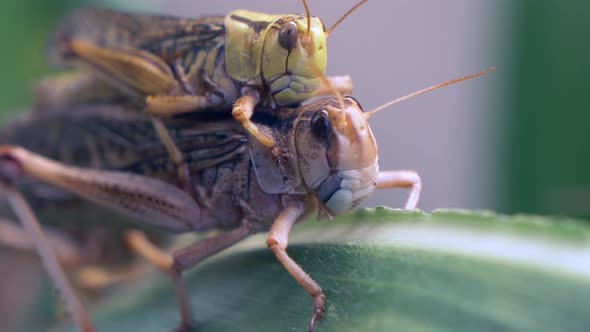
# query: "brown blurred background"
515,140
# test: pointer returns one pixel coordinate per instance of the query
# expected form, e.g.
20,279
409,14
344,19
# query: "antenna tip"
434,87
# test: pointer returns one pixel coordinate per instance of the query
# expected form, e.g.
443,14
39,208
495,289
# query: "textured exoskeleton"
172,65
111,158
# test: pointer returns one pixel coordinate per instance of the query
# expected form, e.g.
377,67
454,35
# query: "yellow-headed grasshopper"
330,153
179,65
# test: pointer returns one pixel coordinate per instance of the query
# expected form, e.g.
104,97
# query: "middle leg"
192,255
402,179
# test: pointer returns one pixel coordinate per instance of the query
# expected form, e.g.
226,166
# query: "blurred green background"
548,160
24,29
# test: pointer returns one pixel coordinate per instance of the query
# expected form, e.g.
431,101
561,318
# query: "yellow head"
278,51
293,61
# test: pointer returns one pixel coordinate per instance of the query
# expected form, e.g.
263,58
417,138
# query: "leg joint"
10,169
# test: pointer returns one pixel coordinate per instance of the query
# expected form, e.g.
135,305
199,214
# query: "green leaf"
385,270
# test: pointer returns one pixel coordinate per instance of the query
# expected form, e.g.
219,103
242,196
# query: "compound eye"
288,35
320,125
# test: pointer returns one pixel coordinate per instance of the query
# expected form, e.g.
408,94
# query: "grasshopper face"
337,154
278,51
294,61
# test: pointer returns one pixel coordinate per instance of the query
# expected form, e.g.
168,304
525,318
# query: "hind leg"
48,256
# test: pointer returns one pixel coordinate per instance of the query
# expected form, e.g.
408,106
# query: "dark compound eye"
320,125
288,36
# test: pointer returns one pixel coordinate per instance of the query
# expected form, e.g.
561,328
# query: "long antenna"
308,16
434,87
344,16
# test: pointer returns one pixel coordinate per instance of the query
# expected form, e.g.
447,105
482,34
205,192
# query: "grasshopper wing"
119,138
137,52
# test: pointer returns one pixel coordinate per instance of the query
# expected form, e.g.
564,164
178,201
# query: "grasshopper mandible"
331,158
178,65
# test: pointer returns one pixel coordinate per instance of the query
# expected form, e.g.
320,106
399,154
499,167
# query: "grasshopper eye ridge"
320,125
288,36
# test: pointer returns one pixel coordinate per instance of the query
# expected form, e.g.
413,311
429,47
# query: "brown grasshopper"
174,65
330,153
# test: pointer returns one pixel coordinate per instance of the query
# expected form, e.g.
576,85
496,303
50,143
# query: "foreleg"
402,179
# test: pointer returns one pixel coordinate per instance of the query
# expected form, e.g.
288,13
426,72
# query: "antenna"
434,87
308,16
329,31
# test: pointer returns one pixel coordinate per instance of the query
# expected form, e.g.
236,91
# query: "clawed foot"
318,311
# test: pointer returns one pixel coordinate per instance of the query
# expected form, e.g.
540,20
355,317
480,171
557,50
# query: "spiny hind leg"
139,196
402,179
57,92
143,197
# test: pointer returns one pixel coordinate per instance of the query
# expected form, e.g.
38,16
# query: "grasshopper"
330,152
176,65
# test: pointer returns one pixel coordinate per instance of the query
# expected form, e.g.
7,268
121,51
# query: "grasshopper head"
294,58
337,153
277,50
